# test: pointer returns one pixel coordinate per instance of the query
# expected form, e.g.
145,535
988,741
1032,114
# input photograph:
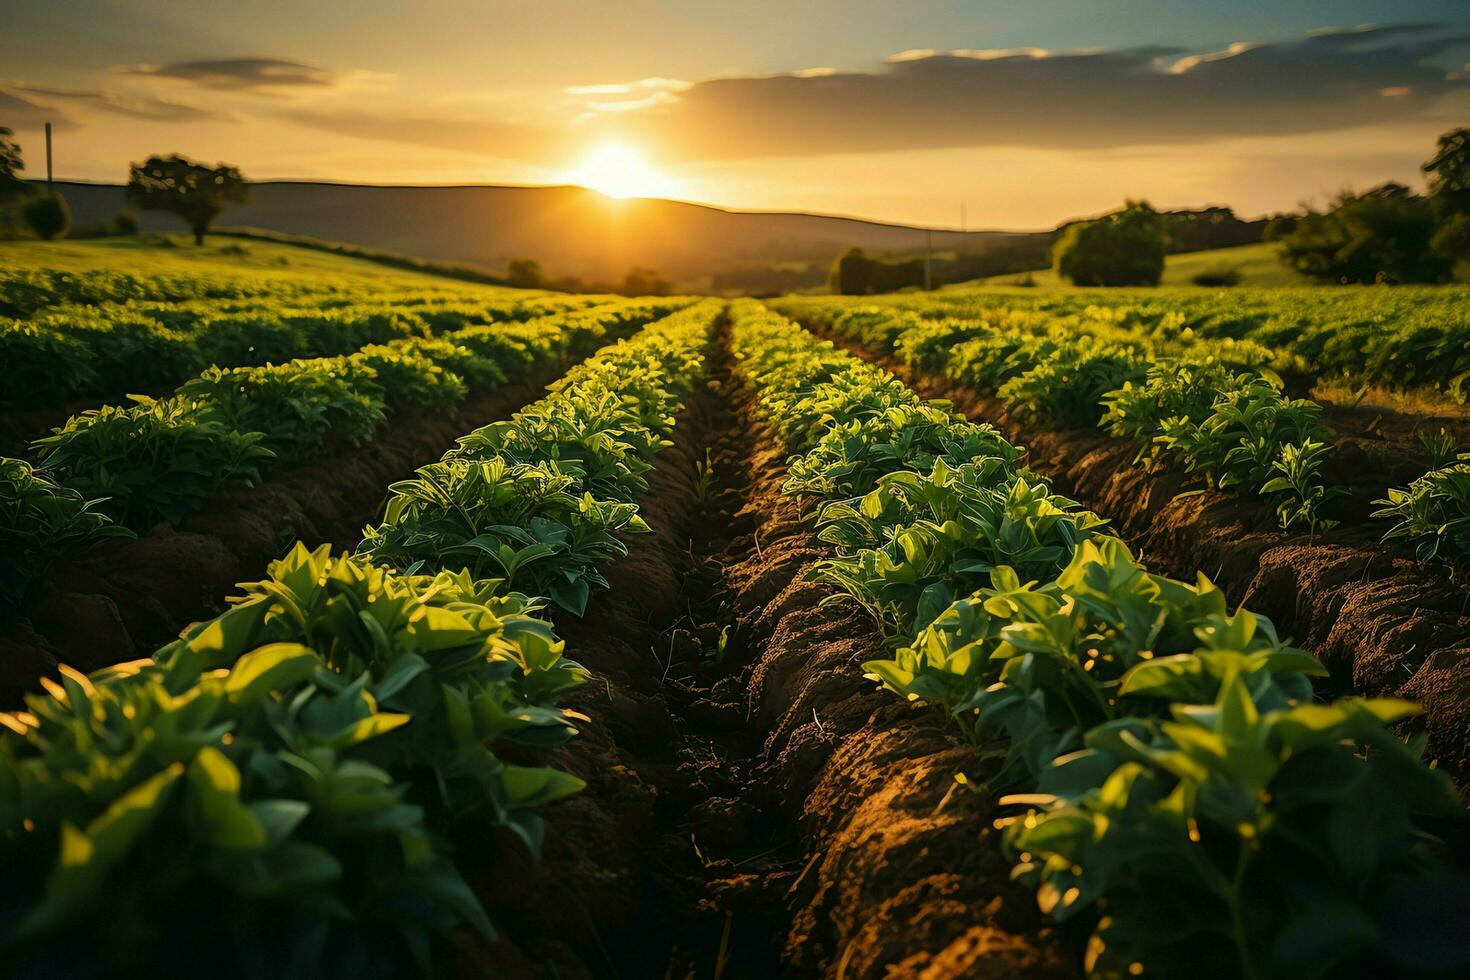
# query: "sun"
617,170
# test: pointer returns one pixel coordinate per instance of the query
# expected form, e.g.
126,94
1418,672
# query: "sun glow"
619,171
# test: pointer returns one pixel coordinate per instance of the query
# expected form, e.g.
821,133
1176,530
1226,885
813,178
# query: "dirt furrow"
754,807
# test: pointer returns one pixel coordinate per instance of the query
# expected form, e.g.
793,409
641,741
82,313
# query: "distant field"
153,255
1256,264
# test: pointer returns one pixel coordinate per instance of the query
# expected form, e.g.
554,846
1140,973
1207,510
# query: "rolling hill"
569,230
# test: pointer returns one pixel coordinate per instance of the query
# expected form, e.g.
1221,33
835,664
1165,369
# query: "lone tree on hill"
1125,248
193,191
12,184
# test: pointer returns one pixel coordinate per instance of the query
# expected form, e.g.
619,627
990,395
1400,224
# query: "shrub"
1228,275
1125,248
48,215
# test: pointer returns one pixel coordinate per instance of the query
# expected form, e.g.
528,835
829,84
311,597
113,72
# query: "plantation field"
361,622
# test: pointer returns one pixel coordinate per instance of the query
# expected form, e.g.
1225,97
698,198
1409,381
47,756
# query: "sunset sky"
1026,113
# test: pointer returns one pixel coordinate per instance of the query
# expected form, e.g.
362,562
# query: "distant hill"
569,230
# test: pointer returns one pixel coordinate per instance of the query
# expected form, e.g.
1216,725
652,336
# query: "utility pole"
928,247
49,189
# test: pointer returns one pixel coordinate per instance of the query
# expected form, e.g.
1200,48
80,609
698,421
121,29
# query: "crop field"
360,622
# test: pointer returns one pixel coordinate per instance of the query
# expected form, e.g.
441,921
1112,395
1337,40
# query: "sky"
1001,115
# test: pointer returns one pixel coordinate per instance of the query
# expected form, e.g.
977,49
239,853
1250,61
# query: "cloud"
1090,100
154,110
511,141
240,74
1049,100
19,111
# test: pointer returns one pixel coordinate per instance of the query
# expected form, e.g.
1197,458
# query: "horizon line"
936,229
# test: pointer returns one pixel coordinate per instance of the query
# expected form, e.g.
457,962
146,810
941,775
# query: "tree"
1125,248
1384,235
850,273
854,274
193,191
1448,174
1452,240
644,282
1279,227
48,215
525,274
12,184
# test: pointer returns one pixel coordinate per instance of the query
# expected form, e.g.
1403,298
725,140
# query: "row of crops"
120,469
1185,389
298,778
105,349
1171,776
318,780
1400,339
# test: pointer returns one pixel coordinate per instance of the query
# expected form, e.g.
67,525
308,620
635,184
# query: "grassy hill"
1257,265
220,257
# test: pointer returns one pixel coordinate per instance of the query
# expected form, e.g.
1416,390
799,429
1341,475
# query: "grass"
1257,265
454,270
220,256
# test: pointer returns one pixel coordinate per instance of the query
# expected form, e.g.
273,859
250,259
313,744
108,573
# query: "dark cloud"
1089,100
239,74
154,110
1327,81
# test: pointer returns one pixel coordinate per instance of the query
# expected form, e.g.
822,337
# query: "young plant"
1300,480
156,461
41,524
1432,513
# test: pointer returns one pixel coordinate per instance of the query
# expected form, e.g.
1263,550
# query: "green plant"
854,454
1300,479
1432,513
917,541
1183,792
1440,446
1182,389
293,407
1067,389
517,522
539,500
41,524
276,785
1239,442
1285,831
156,461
